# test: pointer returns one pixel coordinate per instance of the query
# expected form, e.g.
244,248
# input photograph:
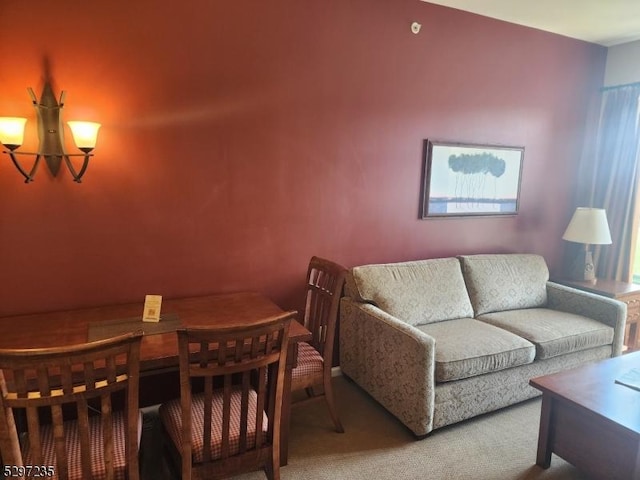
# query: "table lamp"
588,226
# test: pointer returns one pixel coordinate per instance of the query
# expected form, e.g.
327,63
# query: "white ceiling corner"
604,22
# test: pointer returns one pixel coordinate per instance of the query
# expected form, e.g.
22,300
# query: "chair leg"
328,395
272,469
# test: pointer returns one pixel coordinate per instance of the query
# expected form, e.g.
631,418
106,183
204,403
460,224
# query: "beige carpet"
375,446
496,446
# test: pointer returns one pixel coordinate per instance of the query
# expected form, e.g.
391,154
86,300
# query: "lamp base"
583,269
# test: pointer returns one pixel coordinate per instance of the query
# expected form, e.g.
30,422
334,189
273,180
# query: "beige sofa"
439,341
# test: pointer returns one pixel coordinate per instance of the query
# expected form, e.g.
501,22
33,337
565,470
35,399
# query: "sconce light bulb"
85,134
12,131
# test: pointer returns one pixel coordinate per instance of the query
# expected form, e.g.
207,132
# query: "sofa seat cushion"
505,281
553,332
466,347
417,293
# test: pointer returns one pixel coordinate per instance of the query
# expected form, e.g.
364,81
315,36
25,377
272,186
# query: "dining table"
159,348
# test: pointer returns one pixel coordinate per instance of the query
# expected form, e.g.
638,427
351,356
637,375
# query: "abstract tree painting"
466,179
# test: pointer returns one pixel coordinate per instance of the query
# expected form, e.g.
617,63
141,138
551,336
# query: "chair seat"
72,441
171,416
310,362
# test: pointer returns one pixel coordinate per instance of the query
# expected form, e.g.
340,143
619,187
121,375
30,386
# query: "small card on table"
630,379
152,304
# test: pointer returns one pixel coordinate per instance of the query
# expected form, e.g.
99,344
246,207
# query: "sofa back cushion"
505,281
418,292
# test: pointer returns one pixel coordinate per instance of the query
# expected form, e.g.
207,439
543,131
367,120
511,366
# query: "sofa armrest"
603,309
390,359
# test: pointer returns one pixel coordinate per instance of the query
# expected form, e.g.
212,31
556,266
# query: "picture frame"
466,179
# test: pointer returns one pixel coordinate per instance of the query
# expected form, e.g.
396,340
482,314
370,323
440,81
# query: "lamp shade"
85,134
588,225
12,131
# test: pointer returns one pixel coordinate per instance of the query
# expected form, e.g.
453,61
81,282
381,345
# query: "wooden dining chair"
233,424
325,280
66,393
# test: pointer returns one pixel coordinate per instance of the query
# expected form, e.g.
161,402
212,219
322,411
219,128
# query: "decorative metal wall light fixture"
51,136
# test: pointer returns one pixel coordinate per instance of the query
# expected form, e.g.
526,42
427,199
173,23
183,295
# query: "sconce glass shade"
588,226
85,134
12,131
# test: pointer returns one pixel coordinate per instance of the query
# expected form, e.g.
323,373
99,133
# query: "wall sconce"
50,134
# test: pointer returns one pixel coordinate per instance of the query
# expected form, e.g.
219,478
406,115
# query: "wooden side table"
628,293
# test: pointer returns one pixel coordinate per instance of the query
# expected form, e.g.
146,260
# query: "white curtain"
611,166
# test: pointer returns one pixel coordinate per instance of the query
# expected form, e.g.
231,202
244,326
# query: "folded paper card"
630,379
152,305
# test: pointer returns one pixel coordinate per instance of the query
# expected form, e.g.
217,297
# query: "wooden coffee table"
591,421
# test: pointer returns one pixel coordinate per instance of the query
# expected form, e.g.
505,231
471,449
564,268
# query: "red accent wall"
242,137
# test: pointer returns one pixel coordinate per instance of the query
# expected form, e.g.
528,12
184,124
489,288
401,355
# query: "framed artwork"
463,179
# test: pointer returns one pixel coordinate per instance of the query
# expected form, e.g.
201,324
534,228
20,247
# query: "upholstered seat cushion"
309,362
72,442
466,347
553,332
171,416
417,293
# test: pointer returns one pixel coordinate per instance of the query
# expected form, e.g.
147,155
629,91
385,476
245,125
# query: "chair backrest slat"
226,416
89,375
67,379
9,446
261,404
20,383
240,348
106,413
35,444
43,381
85,441
244,412
58,441
111,369
208,395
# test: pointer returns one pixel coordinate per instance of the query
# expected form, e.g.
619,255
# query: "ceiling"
605,22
